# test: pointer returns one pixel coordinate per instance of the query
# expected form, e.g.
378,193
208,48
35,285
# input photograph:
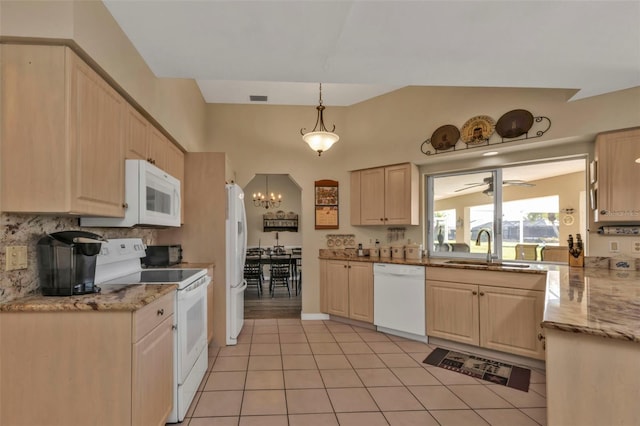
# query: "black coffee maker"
67,262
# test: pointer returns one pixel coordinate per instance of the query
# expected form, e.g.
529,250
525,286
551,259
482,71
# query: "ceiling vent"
258,98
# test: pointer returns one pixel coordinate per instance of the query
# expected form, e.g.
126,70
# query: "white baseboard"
410,336
314,317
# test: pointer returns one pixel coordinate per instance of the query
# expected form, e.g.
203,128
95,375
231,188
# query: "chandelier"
267,200
320,138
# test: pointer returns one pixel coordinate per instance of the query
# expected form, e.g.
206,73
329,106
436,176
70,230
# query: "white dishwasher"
399,303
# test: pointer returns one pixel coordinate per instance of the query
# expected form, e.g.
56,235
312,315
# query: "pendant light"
320,138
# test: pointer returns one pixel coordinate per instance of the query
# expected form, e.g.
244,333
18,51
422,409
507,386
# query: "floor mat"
481,368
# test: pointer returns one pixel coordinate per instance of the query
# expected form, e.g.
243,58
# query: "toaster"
163,255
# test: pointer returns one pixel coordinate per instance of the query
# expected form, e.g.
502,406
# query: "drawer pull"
160,312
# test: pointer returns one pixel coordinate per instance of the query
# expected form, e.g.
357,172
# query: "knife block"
576,262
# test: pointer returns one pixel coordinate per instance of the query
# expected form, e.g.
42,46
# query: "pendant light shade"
320,138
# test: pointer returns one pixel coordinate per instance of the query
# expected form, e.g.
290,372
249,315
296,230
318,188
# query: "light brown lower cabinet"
87,367
482,308
347,289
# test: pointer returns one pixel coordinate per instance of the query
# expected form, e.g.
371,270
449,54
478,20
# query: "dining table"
265,259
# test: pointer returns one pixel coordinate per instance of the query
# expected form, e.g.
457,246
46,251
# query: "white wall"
291,202
389,129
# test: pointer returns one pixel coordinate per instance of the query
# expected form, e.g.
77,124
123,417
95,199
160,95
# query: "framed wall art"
327,211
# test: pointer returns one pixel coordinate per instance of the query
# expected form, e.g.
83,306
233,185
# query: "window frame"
496,231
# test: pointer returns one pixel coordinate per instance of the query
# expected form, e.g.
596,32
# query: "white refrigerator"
236,249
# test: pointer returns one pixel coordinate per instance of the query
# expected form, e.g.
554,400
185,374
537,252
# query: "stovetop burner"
157,276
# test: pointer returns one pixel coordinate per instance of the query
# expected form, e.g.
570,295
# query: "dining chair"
526,251
279,273
296,264
255,251
253,273
555,254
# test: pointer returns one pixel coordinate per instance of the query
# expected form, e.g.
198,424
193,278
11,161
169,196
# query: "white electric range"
119,263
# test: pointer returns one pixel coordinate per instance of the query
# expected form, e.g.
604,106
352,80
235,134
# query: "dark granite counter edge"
534,269
611,334
90,302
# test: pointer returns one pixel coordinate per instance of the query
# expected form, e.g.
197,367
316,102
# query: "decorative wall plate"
445,137
514,123
567,220
477,129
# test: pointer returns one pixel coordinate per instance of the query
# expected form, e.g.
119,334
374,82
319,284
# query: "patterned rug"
481,368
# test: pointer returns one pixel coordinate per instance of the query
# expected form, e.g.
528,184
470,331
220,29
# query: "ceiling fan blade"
469,186
517,183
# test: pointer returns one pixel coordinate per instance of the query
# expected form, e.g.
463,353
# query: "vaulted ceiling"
361,49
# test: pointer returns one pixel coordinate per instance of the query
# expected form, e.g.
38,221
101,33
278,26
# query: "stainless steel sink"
487,264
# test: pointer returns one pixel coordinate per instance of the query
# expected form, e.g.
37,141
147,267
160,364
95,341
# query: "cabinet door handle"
603,212
125,205
482,293
160,312
381,220
543,340
474,293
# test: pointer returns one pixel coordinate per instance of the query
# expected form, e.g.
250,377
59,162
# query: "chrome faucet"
489,260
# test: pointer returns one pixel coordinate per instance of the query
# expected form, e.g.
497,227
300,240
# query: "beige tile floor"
308,373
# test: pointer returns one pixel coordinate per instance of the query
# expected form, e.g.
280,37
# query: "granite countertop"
597,301
534,268
113,297
600,302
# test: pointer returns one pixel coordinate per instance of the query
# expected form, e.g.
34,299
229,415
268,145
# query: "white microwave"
152,197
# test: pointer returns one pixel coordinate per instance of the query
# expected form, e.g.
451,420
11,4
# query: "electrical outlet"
16,258
635,246
614,247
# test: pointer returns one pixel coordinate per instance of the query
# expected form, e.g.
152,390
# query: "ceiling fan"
489,182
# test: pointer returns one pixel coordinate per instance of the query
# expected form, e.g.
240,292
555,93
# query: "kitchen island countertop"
599,302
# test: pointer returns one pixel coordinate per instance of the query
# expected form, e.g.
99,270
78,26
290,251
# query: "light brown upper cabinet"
165,155
143,141
385,195
617,173
62,134
137,135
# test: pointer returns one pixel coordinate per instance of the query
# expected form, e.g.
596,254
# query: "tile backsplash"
26,230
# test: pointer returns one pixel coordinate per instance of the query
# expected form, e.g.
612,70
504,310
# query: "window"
520,206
